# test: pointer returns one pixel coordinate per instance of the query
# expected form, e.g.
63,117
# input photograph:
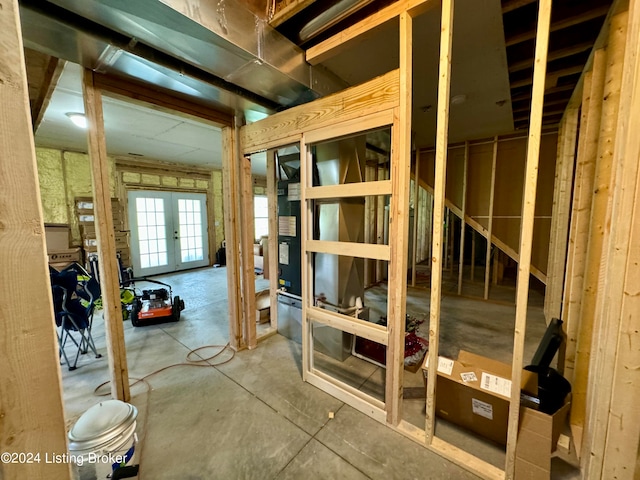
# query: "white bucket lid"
102,424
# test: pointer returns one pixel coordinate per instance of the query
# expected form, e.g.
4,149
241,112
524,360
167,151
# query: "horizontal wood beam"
354,103
355,326
350,249
560,25
363,189
160,167
339,42
141,93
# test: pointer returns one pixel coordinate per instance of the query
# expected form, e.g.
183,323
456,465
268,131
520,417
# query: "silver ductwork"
216,43
331,17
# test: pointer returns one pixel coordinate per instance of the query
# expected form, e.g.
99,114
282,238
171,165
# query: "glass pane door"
192,246
168,231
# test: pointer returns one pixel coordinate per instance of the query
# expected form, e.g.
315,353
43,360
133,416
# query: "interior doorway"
168,231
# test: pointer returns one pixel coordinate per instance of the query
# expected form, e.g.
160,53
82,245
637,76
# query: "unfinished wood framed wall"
32,416
275,131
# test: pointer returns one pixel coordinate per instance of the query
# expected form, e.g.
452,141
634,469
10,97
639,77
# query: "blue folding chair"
74,299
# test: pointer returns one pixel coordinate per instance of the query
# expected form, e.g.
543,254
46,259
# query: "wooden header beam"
286,127
141,93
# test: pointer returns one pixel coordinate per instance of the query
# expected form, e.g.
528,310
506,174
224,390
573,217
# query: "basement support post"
109,278
232,236
492,194
416,216
526,230
463,215
32,412
439,186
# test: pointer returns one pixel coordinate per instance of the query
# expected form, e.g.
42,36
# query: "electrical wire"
190,362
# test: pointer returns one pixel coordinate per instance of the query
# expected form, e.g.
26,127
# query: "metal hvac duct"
221,39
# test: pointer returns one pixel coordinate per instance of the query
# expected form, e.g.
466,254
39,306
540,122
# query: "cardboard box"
263,304
56,236
66,256
537,439
474,392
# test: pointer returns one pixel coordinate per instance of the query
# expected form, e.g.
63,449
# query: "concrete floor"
253,417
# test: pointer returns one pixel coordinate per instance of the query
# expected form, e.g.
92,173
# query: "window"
261,216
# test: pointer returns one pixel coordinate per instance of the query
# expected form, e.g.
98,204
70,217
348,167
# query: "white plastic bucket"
103,439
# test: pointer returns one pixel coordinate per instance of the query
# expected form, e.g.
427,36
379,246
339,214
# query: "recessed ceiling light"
78,119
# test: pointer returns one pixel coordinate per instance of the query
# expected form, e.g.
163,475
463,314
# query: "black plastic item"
549,345
125,472
553,388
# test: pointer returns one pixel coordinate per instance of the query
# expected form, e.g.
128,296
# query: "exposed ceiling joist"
514,5
339,42
50,80
560,25
553,55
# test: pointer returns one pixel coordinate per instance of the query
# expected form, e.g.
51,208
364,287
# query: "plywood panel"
510,179
479,182
455,175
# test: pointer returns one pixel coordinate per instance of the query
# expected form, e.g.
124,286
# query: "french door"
168,231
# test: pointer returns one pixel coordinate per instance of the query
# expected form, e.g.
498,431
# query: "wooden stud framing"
306,263
526,230
447,229
581,209
416,215
561,212
109,278
598,232
232,240
462,220
32,418
246,253
442,131
614,427
473,255
272,199
381,226
399,226
492,191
